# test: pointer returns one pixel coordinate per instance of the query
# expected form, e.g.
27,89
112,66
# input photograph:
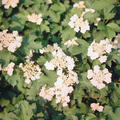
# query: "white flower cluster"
96,106
71,42
99,50
97,77
35,18
9,68
8,3
31,71
60,59
63,86
79,5
11,41
78,23
49,1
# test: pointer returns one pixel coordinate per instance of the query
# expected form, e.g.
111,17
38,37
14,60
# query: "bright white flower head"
79,24
59,71
63,86
31,71
103,59
96,106
10,3
47,94
49,1
10,68
59,82
60,59
71,42
79,5
11,41
49,66
99,50
97,77
35,18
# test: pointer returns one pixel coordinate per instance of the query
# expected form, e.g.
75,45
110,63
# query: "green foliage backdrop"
19,101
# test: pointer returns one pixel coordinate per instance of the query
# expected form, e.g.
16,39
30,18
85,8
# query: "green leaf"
81,49
24,110
29,43
6,57
91,116
49,79
4,102
110,33
99,35
59,8
67,34
114,26
101,4
18,21
54,17
16,79
101,26
55,28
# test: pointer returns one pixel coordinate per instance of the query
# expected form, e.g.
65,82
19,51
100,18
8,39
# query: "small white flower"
35,18
31,71
90,74
97,77
96,69
8,3
59,82
85,26
27,81
71,24
96,106
99,50
79,5
71,42
103,59
10,68
59,71
49,66
11,41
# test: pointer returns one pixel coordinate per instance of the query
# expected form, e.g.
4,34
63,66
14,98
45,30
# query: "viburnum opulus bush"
59,60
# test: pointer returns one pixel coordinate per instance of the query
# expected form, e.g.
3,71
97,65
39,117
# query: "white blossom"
99,50
49,1
10,68
49,66
78,23
11,41
96,106
71,42
10,3
47,94
35,18
103,59
63,85
31,71
79,5
59,71
97,77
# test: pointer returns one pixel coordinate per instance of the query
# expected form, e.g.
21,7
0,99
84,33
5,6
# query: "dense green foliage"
19,101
